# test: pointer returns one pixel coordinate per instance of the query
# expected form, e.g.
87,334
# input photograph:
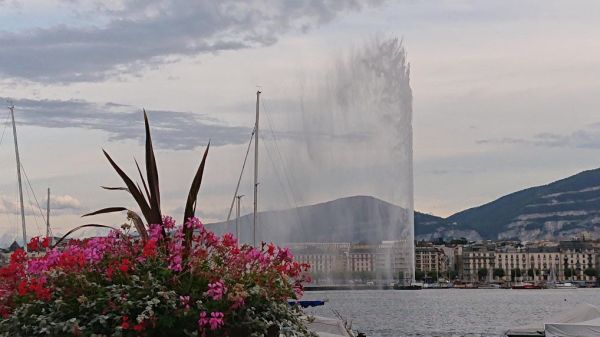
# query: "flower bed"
120,286
161,280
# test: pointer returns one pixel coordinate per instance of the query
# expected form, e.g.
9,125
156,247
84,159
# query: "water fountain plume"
346,141
364,104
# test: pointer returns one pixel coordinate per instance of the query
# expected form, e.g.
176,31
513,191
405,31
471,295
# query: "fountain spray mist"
346,141
357,122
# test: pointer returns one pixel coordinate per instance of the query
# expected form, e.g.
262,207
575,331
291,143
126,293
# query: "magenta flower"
285,255
216,290
168,222
202,321
194,223
185,302
155,232
216,320
229,240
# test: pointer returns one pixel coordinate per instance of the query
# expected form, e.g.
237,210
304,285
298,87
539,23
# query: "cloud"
582,139
170,129
64,202
130,35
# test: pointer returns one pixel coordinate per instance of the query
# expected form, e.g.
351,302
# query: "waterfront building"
476,261
393,257
578,258
528,263
387,259
502,261
431,259
323,257
362,257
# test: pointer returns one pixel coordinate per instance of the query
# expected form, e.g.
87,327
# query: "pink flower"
156,232
229,240
185,302
176,251
194,223
202,321
285,255
168,222
211,239
216,290
299,291
216,320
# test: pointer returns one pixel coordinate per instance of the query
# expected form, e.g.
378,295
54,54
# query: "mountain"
351,219
560,209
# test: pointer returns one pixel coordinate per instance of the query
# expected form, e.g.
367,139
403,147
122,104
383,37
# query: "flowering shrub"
168,280
120,285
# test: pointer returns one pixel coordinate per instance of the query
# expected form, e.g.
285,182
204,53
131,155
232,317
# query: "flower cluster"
123,285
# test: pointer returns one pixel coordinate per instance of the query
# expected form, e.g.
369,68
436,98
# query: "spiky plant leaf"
190,206
142,178
115,188
106,210
152,175
78,228
135,192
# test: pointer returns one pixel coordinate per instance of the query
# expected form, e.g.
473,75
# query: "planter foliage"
152,277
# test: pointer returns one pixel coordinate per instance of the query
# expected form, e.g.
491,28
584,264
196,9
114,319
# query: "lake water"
449,312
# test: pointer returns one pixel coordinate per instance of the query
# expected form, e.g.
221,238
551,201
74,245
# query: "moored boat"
565,285
526,286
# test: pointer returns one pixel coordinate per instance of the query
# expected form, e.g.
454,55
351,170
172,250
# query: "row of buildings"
387,259
539,261
487,261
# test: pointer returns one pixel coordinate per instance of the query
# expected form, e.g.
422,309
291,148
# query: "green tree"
591,272
499,272
433,276
515,273
569,272
482,273
419,275
532,272
364,276
453,274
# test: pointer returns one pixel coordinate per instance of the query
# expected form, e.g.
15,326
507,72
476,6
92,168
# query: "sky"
505,97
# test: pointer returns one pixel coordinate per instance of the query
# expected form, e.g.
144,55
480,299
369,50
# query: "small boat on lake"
565,285
526,286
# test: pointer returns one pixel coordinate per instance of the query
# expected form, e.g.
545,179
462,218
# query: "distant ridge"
350,219
561,209
557,210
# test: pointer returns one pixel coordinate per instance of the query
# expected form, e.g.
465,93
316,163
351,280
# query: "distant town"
457,263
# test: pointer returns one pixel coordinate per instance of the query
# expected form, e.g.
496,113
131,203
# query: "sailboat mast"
12,115
255,168
48,215
237,218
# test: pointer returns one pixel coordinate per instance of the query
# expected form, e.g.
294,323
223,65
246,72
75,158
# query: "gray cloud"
170,129
63,202
139,34
584,139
